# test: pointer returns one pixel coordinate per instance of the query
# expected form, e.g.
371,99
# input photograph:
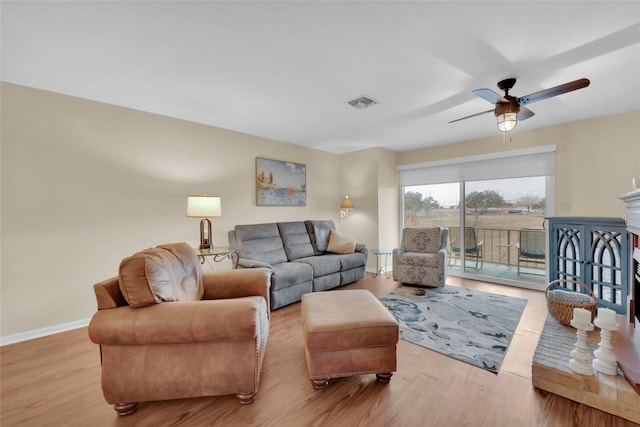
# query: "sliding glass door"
503,218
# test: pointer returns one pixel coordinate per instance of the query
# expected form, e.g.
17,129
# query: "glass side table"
217,254
379,253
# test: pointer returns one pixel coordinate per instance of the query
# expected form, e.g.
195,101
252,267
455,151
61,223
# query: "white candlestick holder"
605,360
580,358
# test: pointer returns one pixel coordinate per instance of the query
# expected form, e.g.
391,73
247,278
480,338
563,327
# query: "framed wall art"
280,183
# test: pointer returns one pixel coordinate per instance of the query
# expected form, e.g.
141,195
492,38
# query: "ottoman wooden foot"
319,384
126,408
384,378
246,398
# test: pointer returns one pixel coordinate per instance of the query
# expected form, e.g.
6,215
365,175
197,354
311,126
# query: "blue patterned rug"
472,326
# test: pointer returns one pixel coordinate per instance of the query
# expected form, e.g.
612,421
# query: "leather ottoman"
348,332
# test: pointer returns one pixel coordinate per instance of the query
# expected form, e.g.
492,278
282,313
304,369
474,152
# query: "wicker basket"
562,311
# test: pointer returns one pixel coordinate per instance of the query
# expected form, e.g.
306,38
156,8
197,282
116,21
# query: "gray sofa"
296,253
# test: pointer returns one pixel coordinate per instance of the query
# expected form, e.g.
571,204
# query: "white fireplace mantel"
632,217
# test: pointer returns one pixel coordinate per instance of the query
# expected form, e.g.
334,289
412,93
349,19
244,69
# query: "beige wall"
370,178
595,162
85,184
358,172
388,201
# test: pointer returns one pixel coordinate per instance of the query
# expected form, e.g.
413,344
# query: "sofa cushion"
165,273
295,239
261,242
340,243
289,274
349,261
421,239
322,265
319,232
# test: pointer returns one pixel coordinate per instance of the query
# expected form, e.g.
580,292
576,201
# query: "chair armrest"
480,243
179,322
444,242
221,284
252,263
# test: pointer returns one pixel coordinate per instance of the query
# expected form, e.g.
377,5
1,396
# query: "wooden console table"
550,372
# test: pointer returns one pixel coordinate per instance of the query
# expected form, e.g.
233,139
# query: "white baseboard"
384,270
43,332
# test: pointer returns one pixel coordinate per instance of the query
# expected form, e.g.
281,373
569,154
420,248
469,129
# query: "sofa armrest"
362,248
236,283
252,263
179,322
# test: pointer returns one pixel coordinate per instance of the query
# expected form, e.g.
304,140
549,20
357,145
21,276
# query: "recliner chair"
167,330
421,258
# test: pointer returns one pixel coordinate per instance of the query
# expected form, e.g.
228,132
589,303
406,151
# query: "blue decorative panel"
594,251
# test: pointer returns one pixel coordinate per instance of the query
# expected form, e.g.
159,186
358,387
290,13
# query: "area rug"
472,326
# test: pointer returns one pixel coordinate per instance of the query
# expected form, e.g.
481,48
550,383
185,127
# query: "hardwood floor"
55,381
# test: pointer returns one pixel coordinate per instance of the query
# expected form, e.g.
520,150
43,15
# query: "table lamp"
204,207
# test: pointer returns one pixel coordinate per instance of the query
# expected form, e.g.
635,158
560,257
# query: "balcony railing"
500,247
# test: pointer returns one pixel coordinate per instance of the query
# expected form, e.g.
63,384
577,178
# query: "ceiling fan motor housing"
510,106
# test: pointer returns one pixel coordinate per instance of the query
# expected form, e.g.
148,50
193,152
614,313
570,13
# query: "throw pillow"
340,243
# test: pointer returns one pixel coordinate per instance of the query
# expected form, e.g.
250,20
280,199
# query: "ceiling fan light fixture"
507,121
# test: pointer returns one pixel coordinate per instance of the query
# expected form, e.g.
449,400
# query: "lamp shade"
347,203
204,206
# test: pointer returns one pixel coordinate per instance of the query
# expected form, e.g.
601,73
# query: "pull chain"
504,139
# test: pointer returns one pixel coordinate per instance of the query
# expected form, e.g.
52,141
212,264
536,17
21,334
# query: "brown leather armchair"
167,330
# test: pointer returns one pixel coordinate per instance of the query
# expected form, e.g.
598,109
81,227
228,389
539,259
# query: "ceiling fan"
509,109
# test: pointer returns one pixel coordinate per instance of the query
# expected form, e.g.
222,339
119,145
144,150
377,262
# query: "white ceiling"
285,70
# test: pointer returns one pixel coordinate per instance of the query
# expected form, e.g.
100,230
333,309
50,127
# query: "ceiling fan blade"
525,113
553,91
473,115
488,95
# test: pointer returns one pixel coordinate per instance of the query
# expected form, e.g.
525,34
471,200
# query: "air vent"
362,102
